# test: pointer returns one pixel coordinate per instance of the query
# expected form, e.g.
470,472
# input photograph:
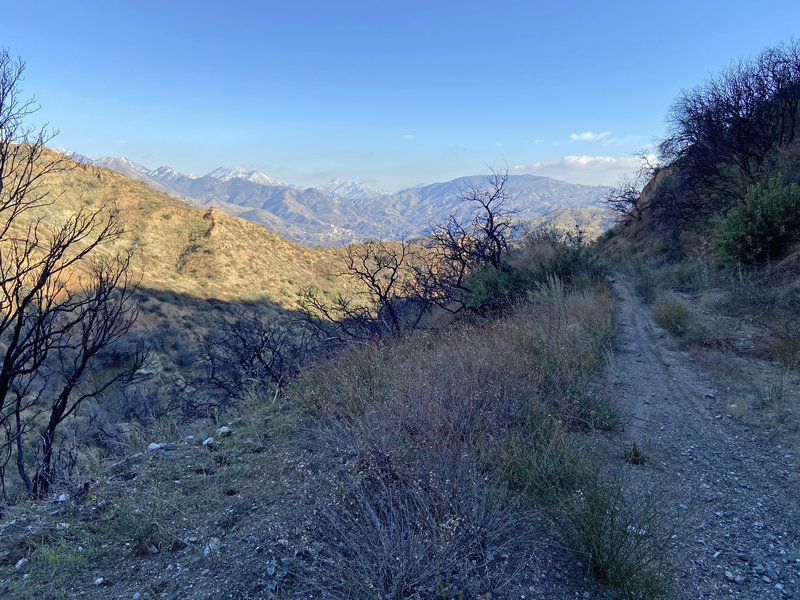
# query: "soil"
243,528
732,491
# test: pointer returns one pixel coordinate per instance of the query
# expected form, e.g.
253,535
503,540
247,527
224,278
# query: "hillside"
204,253
348,212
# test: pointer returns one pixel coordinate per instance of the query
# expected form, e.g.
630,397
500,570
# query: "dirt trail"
738,512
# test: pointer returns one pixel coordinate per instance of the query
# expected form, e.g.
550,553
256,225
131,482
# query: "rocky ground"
733,491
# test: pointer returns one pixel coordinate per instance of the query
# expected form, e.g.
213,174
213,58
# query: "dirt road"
736,508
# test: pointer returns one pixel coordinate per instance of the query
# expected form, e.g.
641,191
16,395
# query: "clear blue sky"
393,93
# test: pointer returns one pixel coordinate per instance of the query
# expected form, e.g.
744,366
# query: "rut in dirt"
736,509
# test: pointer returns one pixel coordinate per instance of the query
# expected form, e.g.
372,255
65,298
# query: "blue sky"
391,93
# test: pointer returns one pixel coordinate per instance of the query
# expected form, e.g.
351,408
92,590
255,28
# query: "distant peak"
353,190
226,174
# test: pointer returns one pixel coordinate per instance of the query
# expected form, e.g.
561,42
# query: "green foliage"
547,251
492,286
760,227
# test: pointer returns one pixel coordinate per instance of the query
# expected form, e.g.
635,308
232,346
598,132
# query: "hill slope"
204,253
346,212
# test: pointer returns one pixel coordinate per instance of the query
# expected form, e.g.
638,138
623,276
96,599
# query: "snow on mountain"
73,155
226,174
121,164
352,190
165,174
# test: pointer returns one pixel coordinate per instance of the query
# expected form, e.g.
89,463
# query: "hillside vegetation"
200,253
714,234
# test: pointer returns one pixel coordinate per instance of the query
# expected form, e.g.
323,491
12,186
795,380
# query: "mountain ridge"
342,212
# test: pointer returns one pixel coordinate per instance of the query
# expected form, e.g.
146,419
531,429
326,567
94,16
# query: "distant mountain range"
348,211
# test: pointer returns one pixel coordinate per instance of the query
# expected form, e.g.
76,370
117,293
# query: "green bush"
760,227
492,287
567,255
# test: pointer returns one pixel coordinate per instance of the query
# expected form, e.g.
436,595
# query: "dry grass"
675,317
437,444
189,251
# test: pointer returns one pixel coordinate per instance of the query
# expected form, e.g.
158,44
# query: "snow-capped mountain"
164,174
121,164
73,155
346,211
352,190
226,174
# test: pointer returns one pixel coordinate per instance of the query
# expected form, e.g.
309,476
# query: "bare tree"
626,199
59,306
245,350
724,134
460,247
383,302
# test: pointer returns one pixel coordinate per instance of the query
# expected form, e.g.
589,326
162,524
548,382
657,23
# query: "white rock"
136,596
21,563
155,446
98,581
214,544
224,430
63,497
208,441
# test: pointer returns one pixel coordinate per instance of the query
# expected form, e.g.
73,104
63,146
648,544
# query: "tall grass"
434,445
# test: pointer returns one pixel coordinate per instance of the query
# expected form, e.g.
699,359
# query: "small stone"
63,497
155,446
21,563
214,544
191,540
739,579
711,394
98,581
136,596
729,576
205,572
189,437
759,569
153,550
224,430
766,579
209,441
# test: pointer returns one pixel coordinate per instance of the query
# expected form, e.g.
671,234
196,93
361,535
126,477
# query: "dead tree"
59,307
381,302
626,199
459,247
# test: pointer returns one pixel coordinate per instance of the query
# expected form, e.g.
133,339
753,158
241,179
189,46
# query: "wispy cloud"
408,136
589,136
586,169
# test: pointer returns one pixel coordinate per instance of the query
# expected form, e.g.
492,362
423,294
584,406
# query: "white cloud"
408,136
590,170
588,136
